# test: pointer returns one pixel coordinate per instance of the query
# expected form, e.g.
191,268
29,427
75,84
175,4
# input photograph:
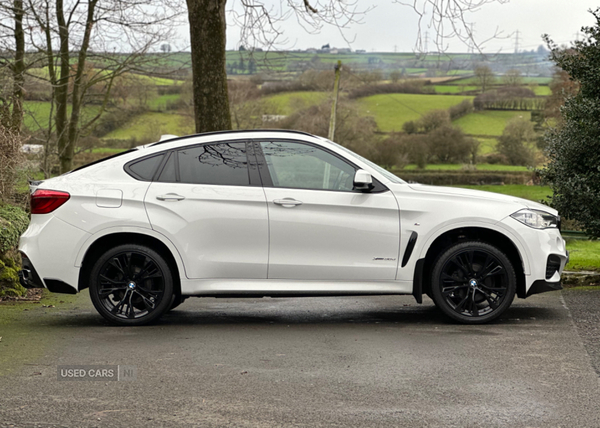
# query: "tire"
177,300
131,285
473,282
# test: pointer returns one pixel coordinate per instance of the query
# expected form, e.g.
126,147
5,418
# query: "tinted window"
224,164
145,169
169,174
304,166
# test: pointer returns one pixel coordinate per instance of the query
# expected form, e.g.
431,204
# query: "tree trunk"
18,69
61,93
207,36
66,158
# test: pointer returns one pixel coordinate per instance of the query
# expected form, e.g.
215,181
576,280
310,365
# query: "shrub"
407,87
10,159
509,98
517,141
448,144
114,119
410,127
388,152
13,222
395,76
574,146
494,159
460,110
433,119
354,130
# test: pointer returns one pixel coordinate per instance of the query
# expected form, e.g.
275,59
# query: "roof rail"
236,131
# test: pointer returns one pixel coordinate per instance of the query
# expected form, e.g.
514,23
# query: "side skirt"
290,288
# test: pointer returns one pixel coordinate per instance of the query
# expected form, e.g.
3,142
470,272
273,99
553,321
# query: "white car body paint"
236,240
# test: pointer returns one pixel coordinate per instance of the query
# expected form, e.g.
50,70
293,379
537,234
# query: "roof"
226,132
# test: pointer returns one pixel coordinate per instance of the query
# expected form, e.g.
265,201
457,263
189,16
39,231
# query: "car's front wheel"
131,285
473,282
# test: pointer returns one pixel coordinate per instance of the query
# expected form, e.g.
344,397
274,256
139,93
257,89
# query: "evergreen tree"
573,147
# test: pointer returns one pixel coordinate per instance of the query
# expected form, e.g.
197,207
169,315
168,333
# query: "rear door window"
222,164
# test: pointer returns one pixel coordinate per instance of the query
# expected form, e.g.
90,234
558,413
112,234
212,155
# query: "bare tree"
512,78
85,44
12,59
449,19
485,77
261,25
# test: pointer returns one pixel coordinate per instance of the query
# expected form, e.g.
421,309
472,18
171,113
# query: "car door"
319,227
208,200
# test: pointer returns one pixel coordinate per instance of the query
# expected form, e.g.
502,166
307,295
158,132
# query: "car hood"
478,195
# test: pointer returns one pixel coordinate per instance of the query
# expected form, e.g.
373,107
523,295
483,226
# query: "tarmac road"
310,362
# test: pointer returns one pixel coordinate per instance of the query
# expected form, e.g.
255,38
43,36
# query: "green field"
487,146
533,193
392,110
160,103
37,114
489,122
290,102
150,126
541,90
584,255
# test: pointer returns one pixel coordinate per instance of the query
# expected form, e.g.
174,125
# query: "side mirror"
363,180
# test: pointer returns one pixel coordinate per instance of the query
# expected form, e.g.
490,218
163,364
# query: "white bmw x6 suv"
279,213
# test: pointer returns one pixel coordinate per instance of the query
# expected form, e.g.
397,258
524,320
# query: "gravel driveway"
309,362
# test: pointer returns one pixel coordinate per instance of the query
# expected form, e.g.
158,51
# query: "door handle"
170,197
289,202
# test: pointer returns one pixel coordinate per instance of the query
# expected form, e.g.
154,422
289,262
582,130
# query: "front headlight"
536,219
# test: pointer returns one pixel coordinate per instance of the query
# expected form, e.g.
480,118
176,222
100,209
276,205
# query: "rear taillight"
46,201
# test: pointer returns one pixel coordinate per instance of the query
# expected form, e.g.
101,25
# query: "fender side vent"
409,248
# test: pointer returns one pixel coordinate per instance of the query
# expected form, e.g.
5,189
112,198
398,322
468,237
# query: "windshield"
393,178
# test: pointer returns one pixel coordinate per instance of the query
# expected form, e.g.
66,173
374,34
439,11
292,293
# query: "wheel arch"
490,236
106,241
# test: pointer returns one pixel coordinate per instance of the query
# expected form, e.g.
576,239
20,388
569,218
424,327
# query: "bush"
13,222
169,90
388,152
517,142
449,178
448,144
433,119
408,87
460,110
354,130
509,98
410,127
114,119
574,146
11,158
494,159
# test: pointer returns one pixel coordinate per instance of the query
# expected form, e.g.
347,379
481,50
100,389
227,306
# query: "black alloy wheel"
131,285
473,282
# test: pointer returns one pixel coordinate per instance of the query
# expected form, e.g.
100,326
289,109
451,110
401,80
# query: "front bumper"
542,286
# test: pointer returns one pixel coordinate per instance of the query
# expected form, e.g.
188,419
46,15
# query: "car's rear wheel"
131,285
473,282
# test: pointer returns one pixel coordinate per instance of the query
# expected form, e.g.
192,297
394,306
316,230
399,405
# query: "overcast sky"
391,26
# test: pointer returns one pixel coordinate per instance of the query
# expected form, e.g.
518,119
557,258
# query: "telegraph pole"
336,91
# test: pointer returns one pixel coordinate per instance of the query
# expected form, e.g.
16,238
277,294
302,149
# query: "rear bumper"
28,276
